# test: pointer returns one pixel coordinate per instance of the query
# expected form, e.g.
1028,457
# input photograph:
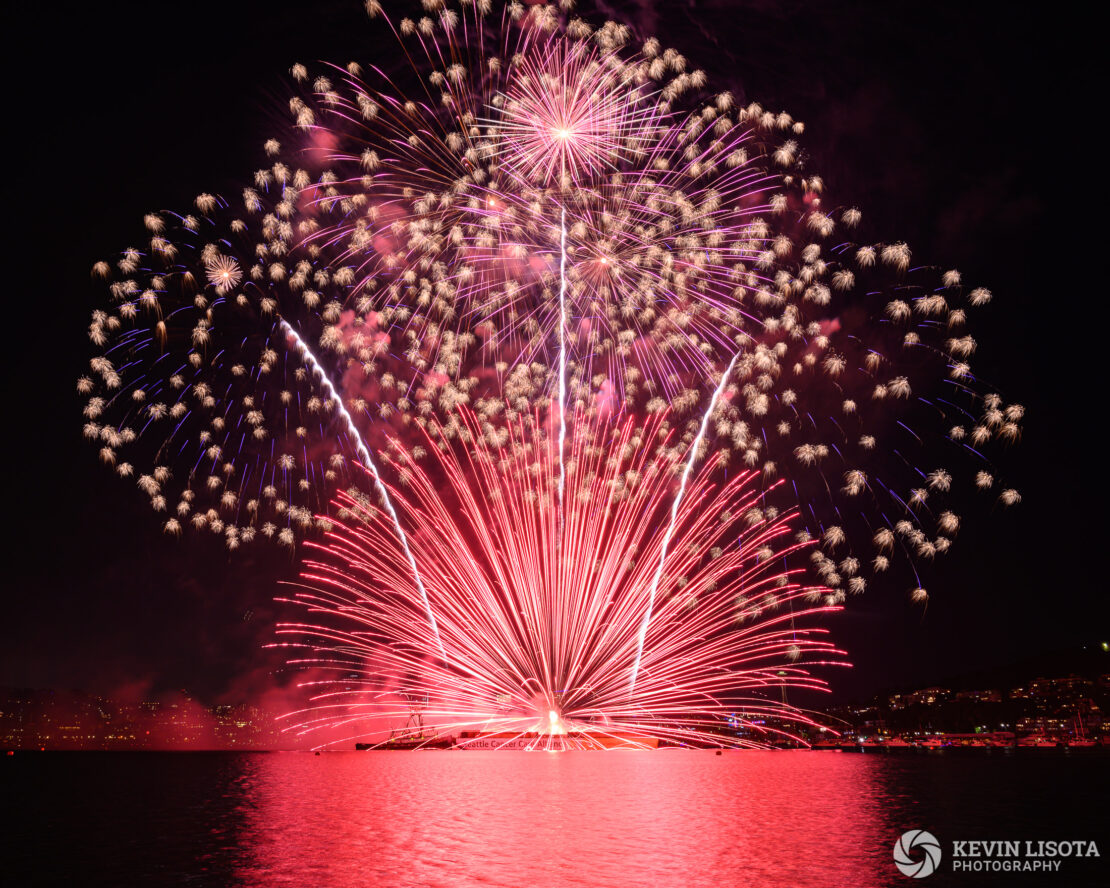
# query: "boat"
536,741
1081,740
430,742
1037,741
415,734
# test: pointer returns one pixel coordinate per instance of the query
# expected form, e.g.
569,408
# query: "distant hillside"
1089,661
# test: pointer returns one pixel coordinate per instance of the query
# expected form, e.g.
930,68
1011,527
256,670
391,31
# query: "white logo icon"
924,843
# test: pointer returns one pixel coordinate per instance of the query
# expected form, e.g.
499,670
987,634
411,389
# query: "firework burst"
541,608
537,246
548,218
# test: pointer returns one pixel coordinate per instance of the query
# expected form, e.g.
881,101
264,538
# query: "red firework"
539,608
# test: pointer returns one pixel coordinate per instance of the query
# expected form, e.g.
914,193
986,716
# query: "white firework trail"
368,461
562,352
674,514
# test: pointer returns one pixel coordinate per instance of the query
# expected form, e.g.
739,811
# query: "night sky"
960,128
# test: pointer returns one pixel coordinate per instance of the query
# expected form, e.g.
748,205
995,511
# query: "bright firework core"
569,114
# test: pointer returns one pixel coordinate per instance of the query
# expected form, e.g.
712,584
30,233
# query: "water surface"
585,819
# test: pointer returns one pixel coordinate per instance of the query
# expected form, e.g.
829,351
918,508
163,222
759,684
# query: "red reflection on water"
660,818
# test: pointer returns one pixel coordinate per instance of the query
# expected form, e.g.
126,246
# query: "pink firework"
426,246
539,608
548,234
572,114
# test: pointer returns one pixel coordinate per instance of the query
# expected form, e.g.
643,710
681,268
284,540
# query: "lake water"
623,819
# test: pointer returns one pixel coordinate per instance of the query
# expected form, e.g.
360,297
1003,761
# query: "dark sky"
965,129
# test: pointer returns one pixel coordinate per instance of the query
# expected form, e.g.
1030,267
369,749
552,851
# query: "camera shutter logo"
926,845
